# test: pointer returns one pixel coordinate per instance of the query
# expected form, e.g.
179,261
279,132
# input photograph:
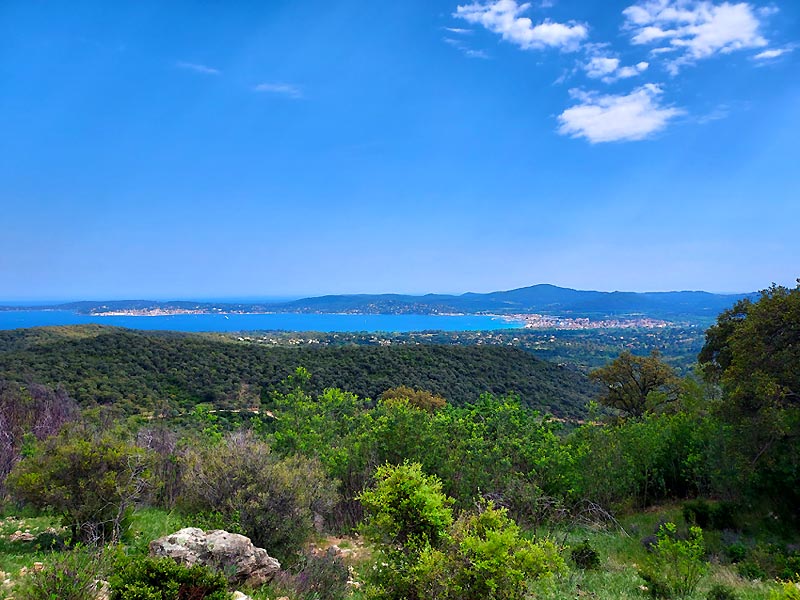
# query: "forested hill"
546,299
543,298
141,371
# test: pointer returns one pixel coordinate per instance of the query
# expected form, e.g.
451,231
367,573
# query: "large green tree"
636,384
753,350
753,353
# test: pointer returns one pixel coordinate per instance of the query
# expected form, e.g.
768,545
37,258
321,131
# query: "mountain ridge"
539,298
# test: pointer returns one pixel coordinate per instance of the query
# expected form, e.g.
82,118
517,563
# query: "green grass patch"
25,540
149,524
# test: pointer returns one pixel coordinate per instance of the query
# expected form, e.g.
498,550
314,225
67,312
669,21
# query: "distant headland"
540,305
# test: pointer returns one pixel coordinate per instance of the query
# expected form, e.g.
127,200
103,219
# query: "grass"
148,524
16,554
620,554
617,578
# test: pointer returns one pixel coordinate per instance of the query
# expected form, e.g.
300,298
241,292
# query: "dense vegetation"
484,498
581,349
135,371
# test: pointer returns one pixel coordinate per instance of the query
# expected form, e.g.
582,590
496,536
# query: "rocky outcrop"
232,554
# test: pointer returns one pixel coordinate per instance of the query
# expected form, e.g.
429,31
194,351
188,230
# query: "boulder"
232,554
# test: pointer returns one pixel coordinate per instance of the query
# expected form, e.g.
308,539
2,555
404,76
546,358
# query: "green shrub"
422,554
791,570
720,591
789,591
406,509
487,557
709,515
766,561
93,482
584,556
697,512
270,499
315,577
675,567
750,570
147,578
736,552
407,517
70,576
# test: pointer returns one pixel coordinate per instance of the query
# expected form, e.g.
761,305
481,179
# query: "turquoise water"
285,322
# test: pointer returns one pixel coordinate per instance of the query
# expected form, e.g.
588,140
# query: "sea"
262,322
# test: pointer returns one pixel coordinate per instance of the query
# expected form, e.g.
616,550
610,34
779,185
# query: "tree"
28,415
753,350
416,397
753,353
92,481
636,384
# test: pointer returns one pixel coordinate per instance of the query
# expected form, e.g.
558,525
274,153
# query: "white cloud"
637,69
600,66
464,49
614,118
609,70
284,89
458,30
503,18
773,53
475,53
696,28
197,68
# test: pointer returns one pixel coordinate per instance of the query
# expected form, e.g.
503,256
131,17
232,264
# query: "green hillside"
139,371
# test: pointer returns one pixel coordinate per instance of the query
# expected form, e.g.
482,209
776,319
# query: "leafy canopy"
636,384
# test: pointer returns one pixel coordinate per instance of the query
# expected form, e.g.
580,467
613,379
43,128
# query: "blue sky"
212,149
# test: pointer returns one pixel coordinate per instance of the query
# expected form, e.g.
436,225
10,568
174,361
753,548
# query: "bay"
266,322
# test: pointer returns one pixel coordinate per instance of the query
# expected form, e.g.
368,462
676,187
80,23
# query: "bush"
422,554
422,399
751,570
790,569
770,561
407,509
407,516
163,579
270,499
584,556
675,567
92,481
789,591
316,577
736,552
709,515
487,557
721,591
70,576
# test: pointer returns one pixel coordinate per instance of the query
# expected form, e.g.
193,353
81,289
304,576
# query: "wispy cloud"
503,17
608,69
614,118
696,29
717,114
773,53
197,68
458,30
288,90
464,49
